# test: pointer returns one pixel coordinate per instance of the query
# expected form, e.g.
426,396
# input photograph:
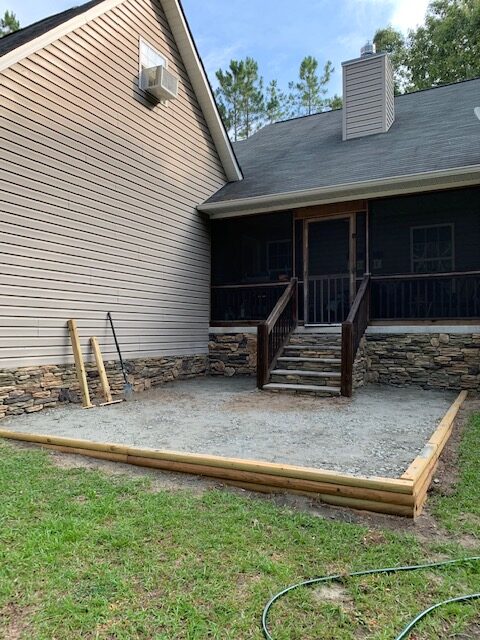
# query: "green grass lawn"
86,555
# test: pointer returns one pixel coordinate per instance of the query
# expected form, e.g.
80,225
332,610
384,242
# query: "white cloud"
408,14
217,57
401,14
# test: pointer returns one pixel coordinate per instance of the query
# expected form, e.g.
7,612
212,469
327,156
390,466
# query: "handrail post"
262,354
347,360
295,303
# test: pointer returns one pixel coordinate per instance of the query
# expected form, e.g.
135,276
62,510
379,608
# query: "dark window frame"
289,255
438,258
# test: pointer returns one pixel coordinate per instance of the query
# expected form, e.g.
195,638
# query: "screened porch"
422,253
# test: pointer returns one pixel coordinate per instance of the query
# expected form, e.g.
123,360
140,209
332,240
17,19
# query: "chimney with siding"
368,94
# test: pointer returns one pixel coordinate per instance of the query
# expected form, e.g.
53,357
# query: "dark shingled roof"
22,36
434,130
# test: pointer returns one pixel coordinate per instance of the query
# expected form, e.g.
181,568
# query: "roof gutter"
399,185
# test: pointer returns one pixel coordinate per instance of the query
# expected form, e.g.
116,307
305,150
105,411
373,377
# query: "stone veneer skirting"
233,354
29,389
431,361
360,365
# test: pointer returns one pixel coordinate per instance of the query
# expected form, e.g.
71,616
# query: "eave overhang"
398,185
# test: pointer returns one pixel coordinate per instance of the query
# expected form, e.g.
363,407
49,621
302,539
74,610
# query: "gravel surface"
378,432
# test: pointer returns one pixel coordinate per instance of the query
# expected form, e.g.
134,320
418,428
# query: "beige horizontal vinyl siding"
98,189
364,99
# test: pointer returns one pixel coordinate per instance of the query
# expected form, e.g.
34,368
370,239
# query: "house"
121,192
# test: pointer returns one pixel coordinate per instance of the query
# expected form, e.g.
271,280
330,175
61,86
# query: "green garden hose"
339,577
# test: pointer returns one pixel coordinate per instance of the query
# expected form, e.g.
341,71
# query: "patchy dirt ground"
377,432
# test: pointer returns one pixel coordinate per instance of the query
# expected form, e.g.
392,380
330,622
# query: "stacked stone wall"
30,389
233,354
431,361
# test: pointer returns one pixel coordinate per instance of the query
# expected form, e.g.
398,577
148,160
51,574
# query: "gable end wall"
98,193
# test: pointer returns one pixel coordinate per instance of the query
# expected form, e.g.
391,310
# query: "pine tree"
252,98
275,103
229,97
335,102
308,93
240,97
8,24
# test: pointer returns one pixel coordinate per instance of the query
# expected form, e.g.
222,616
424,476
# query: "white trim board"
222,331
181,33
63,29
378,188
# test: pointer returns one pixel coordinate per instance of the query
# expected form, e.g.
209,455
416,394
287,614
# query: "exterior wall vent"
368,94
160,83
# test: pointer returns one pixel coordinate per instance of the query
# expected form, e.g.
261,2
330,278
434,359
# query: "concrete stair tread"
335,391
307,359
305,372
314,347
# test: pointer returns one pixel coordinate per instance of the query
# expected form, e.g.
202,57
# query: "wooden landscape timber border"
421,471
403,496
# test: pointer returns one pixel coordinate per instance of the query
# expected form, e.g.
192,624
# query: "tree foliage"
394,43
240,97
446,48
245,105
308,93
8,24
276,103
252,98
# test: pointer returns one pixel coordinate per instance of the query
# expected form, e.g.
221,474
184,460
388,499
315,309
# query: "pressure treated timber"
422,469
79,365
403,496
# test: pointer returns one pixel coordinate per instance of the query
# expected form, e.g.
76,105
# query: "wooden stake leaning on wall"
79,365
107,394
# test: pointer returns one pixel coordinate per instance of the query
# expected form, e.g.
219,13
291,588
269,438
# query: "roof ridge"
402,95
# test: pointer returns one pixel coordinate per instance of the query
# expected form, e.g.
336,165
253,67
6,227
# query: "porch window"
279,257
432,248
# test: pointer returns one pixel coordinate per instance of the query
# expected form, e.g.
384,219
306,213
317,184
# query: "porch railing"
244,303
328,298
353,330
426,296
275,330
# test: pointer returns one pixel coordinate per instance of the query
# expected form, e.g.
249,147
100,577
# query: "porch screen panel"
393,221
425,256
328,271
298,272
361,242
252,263
252,249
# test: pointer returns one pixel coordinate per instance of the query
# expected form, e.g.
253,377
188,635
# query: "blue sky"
277,33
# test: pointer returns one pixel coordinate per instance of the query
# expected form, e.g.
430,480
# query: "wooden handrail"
419,276
281,304
252,285
266,352
362,290
353,330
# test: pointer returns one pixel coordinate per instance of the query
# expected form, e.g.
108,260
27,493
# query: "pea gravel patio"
377,432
